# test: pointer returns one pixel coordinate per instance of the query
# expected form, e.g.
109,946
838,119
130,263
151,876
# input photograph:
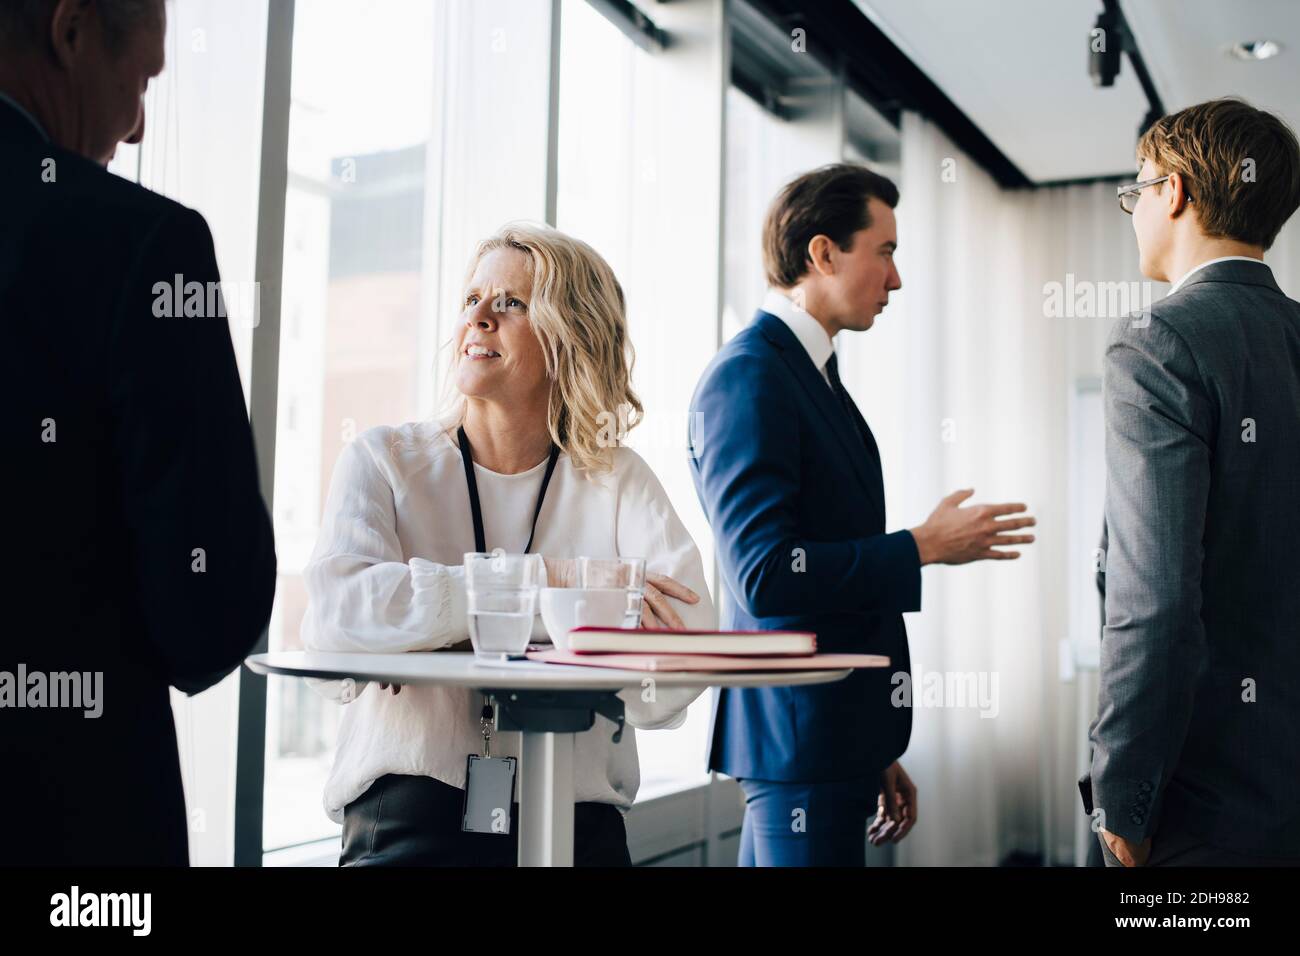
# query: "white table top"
461,670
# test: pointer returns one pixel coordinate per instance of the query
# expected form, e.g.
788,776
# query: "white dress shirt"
387,575
1209,262
811,334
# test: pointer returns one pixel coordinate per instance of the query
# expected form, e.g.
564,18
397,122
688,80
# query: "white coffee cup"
563,609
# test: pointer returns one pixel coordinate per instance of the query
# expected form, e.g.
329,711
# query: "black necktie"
850,409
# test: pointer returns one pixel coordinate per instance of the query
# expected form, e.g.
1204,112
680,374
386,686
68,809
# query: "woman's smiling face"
498,356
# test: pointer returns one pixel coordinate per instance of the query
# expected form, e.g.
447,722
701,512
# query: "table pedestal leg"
546,800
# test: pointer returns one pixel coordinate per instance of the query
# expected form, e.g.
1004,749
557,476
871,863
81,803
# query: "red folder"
710,662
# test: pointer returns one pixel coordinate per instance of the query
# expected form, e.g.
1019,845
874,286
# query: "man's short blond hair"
1240,165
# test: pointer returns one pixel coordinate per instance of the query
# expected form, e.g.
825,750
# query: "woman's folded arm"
362,595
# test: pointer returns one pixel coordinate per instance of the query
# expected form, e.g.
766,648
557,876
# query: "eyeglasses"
1128,195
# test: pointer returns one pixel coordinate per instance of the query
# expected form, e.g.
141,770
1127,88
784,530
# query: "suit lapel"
828,406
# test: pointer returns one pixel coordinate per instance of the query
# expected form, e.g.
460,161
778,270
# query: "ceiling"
1018,70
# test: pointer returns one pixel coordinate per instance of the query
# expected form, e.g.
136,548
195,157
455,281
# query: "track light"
1105,46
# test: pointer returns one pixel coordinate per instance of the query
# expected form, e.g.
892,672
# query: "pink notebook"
601,640
710,662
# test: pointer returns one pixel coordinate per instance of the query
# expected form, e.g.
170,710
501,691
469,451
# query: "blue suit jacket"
797,506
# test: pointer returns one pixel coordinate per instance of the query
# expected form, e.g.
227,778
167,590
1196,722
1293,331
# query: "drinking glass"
502,593
622,574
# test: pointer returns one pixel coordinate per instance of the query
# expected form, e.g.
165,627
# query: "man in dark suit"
140,548
1196,758
790,479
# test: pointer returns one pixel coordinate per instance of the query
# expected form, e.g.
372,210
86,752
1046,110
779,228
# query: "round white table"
547,703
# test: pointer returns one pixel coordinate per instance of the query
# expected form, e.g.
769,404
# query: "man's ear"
68,30
819,255
1177,196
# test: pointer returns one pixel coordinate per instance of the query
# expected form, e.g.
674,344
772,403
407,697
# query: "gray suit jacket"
1198,723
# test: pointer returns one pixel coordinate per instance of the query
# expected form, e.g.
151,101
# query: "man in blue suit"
790,479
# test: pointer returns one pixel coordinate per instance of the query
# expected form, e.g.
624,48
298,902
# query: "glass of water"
502,592
622,574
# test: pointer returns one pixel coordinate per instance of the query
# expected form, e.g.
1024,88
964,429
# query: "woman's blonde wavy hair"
579,315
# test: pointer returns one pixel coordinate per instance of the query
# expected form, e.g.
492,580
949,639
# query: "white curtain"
966,380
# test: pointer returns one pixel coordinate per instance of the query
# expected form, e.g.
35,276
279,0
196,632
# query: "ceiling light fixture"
1255,49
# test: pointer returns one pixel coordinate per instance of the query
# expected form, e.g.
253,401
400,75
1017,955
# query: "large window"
353,315
625,140
428,135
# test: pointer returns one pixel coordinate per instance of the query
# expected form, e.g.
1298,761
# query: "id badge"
489,791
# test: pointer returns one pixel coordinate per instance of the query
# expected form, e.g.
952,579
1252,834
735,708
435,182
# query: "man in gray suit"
1196,745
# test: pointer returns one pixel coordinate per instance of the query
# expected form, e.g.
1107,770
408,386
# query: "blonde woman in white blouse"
541,353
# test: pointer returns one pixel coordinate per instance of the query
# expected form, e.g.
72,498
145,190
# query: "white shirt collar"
810,333
1209,262
24,113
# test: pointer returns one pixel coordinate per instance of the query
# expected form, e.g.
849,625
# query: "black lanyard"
467,459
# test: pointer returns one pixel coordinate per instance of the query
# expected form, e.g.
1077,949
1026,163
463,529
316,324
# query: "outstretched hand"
956,535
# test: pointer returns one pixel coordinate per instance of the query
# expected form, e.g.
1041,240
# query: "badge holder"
490,781
489,785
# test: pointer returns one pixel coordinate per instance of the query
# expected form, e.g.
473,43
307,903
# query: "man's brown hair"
830,201
1240,166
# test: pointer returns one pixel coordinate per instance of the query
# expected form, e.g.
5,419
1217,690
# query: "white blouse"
387,576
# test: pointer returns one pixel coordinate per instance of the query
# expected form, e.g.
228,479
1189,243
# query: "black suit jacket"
138,543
